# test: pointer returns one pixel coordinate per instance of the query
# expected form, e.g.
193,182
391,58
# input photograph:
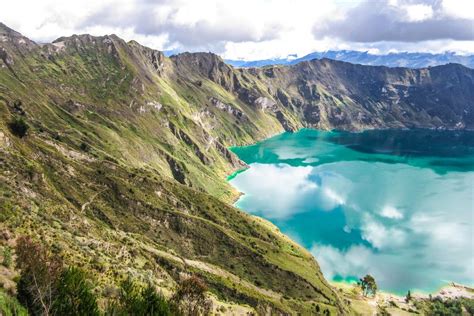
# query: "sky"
255,29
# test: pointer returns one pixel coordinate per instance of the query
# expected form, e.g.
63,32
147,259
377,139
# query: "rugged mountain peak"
6,30
12,37
203,62
85,40
209,65
89,44
151,57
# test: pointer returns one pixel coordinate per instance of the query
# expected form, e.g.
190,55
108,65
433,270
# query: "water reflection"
406,222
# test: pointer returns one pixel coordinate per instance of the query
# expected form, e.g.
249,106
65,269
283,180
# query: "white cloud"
391,212
249,29
381,236
287,188
396,225
356,261
418,12
281,191
463,9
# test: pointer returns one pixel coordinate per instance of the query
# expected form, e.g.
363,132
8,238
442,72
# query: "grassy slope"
114,208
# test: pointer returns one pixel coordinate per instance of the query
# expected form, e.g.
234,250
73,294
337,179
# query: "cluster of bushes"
46,287
138,300
448,307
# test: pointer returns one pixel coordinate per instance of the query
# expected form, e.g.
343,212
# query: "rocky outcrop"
179,133
228,108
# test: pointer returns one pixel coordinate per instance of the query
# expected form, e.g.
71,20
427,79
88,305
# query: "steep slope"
121,149
330,94
123,167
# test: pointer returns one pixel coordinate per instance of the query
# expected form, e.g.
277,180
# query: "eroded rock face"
231,158
284,122
312,113
179,133
228,108
265,104
178,170
6,59
283,98
309,91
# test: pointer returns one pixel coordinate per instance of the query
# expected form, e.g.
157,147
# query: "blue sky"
256,29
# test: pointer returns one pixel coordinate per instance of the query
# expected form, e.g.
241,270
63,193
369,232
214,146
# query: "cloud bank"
400,21
254,29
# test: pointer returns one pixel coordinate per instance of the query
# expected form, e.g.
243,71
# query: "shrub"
440,307
73,295
155,304
190,298
137,300
18,127
9,306
84,147
468,304
39,274
7,257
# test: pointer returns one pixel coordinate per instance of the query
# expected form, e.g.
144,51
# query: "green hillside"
122,168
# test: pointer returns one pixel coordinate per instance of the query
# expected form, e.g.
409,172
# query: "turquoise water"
396,204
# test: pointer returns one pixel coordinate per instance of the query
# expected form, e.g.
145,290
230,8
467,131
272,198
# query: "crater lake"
397,204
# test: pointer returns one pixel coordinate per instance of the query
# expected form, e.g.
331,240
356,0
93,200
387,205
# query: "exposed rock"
228,108
185,137
283,98
74,106
312,113
7,60
264,103
155,105
284,122
4,140
178,170
235,162
148,106
309,91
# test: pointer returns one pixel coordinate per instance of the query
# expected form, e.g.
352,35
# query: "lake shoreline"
398,304
449,290
393,213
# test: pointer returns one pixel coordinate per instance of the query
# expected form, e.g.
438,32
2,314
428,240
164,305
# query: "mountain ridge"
402,59
127,153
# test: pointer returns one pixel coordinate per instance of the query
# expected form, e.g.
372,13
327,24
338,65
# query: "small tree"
191,297
408,297
368,285
74,295
38,277
18,127
155,303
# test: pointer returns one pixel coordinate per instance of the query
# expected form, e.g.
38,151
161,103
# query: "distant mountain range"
409,60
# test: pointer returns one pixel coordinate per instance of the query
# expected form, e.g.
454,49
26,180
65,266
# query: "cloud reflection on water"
408,226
